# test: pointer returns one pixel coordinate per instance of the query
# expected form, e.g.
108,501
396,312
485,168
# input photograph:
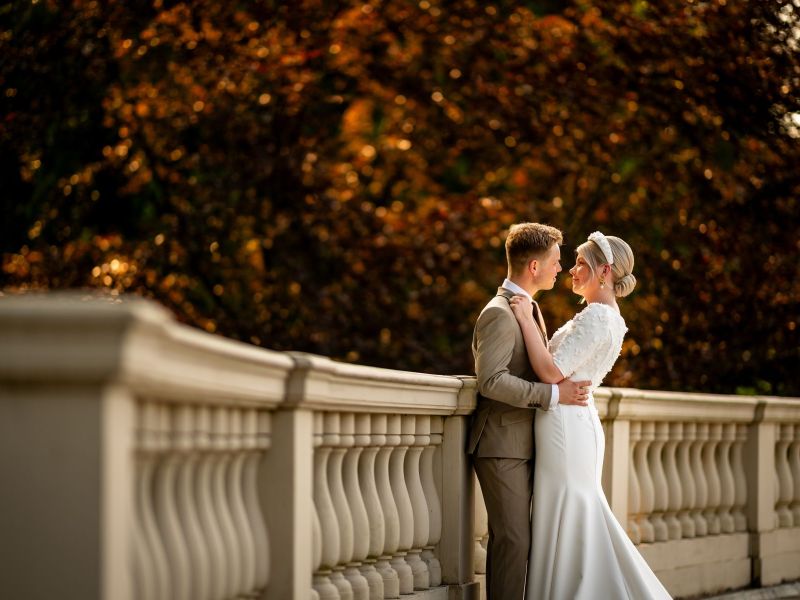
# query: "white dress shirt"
513,287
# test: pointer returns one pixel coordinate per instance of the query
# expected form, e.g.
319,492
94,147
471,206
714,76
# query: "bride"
578,549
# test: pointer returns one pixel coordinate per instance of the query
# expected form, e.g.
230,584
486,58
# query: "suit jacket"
508,390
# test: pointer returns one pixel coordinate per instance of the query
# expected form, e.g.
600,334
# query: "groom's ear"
533,265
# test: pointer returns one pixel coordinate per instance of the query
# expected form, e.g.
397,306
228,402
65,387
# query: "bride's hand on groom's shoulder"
522,308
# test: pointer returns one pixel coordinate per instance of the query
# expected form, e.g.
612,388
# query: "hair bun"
625,285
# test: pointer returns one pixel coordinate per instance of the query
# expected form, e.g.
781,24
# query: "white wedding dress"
578,548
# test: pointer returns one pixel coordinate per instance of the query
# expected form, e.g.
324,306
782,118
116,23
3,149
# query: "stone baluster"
343,440
421,428
646,487
776,484
353,441
794,464
711,471
481,529
185,440
376,425
739,479
223,444
655,459
390,426
700,485
432,500
673,481
152,577
727,485
325,440
783,470
687,480
634,494
206,509
403,501
359,484
236,498
258,431
166,511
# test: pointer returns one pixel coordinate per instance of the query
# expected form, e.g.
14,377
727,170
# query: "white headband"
599,239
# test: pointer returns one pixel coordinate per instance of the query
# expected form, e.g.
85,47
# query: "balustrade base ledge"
778,557
467,591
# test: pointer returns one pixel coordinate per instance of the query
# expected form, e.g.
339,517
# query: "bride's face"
582,277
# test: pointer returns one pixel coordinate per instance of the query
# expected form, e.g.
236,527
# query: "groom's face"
548,268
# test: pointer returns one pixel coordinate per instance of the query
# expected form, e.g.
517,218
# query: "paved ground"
787,591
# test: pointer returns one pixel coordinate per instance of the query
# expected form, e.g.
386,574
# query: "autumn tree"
339,177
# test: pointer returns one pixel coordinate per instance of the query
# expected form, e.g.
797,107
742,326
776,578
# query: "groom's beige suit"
501,441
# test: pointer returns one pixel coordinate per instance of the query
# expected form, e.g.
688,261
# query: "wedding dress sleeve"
589,332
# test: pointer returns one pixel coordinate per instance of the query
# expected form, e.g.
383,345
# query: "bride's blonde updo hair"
621,271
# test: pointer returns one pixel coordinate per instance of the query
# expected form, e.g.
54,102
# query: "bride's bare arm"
540,358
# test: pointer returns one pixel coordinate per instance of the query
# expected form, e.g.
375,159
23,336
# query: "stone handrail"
141,458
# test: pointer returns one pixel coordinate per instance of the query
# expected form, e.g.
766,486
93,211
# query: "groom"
501,437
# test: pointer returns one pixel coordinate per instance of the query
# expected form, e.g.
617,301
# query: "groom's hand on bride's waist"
575,393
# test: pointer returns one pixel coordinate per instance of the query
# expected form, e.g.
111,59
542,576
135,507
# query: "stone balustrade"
706,485
142,459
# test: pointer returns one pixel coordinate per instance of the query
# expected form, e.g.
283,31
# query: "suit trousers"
507,486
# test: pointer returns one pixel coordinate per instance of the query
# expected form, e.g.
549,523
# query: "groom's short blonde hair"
528,241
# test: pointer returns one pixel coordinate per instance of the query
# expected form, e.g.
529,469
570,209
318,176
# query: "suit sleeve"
494,347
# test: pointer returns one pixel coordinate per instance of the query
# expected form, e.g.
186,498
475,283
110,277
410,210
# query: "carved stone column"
700,485
420,428
372,504
783,470
646,489
661,494
711,471
360,489
432,501
353,554
687,480
326,512
391,576
673,481
403,501
150,558
340,442
634,494
481,528
739,479
727,485
794,465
